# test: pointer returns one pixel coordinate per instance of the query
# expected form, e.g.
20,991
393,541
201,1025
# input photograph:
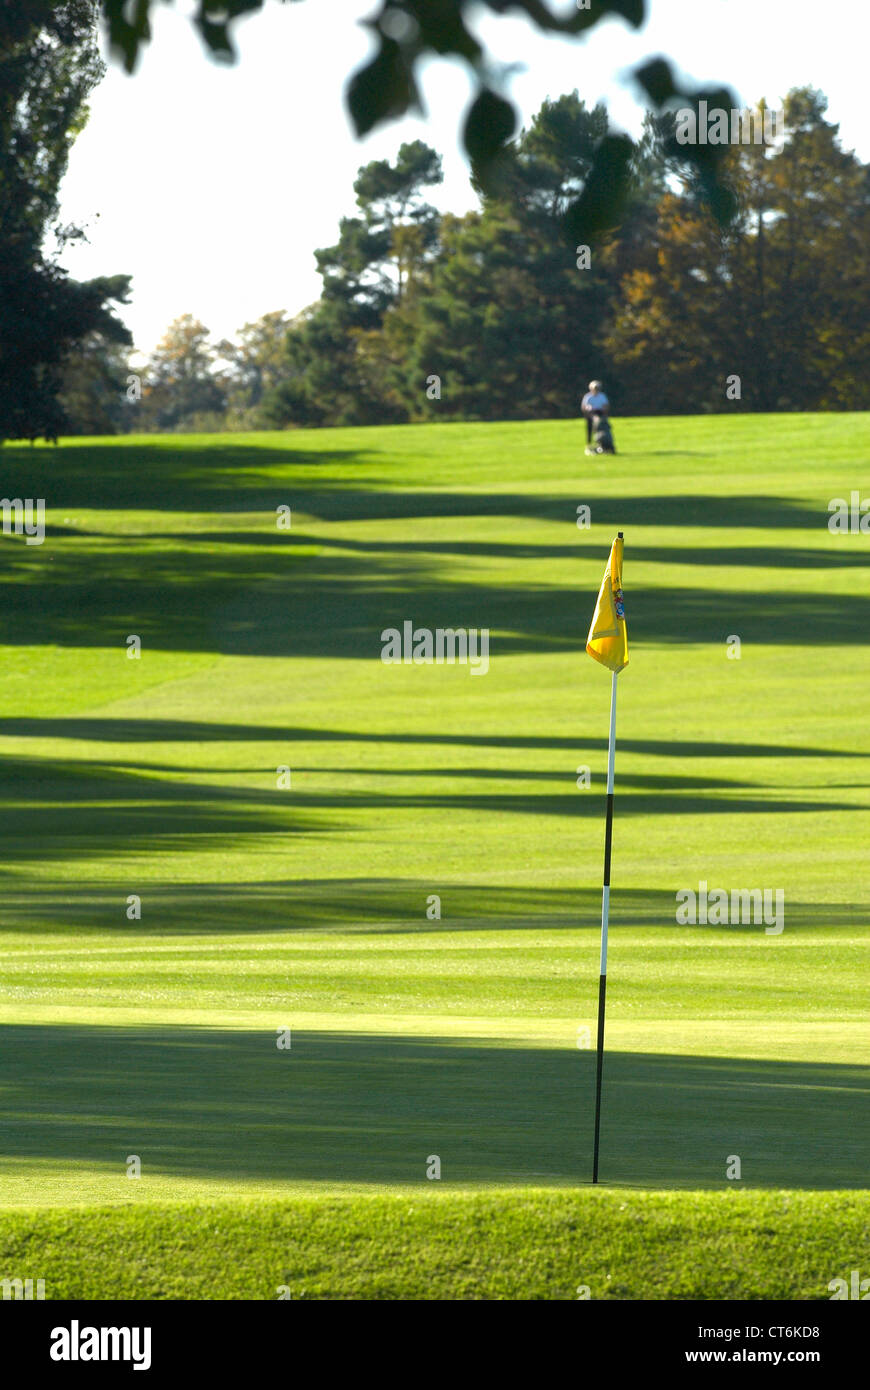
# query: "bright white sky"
212,185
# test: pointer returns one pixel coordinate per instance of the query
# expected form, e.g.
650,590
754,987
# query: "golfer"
594,403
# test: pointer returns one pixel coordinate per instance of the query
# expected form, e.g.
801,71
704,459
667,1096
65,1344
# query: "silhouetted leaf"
489,125
216,38
382,90
442,28
576,20
657,80
600,205
213,19
127,35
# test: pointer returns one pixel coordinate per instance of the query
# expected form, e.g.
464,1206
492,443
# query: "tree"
509,321
93,379
380,251
180,385
394,215
255,365
338,368
48,64
780,298
814,278
668,331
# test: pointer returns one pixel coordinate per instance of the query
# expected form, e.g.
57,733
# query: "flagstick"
605,915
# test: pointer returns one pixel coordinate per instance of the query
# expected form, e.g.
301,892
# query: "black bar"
608,836
203,1339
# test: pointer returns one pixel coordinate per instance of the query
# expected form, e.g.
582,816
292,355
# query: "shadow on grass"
291,603
265,593
186,474
177,475
51,808
65,810
754,557
371,906
726,556
344,1107
118,730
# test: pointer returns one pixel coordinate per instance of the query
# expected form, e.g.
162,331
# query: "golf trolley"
602,436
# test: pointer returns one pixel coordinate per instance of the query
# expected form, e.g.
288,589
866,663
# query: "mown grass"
539,1244
305,907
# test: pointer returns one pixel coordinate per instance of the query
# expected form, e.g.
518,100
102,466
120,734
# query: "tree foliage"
499,314
48,65
181,385
780,298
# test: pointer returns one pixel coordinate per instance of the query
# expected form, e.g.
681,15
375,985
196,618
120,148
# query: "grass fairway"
304,906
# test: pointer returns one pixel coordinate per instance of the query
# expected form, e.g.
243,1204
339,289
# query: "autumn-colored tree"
180,386
774,309
255,365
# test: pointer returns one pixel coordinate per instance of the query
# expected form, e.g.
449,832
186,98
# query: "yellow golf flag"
608,640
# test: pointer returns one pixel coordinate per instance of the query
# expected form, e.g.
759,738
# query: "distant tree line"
495,315
498,314
714,273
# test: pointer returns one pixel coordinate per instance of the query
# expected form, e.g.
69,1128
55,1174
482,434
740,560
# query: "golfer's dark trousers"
588,429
